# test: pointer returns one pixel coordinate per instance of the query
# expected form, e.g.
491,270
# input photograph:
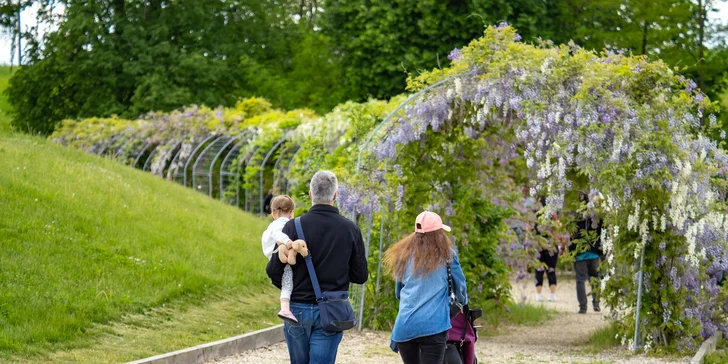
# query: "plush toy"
287,252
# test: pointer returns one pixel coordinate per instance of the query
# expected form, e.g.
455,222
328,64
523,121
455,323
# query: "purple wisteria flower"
690,86
455,54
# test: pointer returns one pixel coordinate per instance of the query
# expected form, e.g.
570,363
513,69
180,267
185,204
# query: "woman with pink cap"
420,265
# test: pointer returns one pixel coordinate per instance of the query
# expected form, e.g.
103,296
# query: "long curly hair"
426,252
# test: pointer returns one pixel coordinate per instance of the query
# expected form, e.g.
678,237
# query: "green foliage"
79,247
720,355
121,58
5,108
382,41
313,80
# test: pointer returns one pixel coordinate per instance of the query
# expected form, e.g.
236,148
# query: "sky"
28,18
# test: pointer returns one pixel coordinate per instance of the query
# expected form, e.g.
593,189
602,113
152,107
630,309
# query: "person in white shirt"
282,211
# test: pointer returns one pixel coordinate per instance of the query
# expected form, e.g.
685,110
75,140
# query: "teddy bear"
287,252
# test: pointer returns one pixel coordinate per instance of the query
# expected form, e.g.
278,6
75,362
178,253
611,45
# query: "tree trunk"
645,27
702,5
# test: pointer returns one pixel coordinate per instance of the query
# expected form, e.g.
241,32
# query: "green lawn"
93,252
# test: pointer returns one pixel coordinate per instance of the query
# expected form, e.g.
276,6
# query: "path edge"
216,349
707,348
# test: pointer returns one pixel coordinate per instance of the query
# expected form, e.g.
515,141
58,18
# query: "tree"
676,31
129,57
381,41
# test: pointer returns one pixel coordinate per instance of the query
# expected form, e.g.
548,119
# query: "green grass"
604,338
513,314
720,355
5,74
88,245
528,315
169,328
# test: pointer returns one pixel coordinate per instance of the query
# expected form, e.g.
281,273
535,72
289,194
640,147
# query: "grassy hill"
103,263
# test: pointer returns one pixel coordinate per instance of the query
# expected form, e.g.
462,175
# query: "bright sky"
28,18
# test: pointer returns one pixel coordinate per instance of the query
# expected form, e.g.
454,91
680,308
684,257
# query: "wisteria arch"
566,119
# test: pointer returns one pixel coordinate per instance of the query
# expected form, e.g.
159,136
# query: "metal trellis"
277,175
168,159
262,172
226,147
290,167
141,153
227,171
201,174
241,172
148,164
193,156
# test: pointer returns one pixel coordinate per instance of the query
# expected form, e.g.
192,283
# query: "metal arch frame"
141,153
400,107
245,137
194,151
169,153
149,159
199,157
290,167
232,140
277,167
244,161
280,157
262,170
106,147
122,148
174,160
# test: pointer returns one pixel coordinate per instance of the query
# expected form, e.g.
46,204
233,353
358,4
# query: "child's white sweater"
274,234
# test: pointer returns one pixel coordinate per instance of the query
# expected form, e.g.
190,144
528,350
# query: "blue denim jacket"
424,303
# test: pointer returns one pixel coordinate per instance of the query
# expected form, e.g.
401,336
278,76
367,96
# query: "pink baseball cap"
429,221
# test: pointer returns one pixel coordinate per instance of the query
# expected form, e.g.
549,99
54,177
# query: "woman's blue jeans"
307,342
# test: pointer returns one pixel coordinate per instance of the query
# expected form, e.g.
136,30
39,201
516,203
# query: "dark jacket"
337,252
585,227
266,204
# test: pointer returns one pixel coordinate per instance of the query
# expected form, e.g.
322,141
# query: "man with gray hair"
337,253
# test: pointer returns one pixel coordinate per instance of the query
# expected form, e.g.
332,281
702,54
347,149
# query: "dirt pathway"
561,340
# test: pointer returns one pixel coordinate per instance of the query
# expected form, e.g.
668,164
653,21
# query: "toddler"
282,211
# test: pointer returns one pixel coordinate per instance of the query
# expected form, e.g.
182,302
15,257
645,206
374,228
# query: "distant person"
337,253
274,240
267,202
548,256
420,265
588,253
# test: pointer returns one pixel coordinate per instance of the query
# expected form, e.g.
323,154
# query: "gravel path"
561,340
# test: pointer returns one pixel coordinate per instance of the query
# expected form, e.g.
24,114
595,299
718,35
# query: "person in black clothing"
266,203
337,252
548,256
588,255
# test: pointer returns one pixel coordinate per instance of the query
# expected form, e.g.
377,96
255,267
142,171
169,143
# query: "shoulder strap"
309,264
466,322
450,288
452,296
